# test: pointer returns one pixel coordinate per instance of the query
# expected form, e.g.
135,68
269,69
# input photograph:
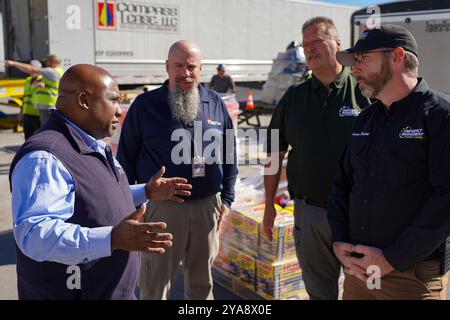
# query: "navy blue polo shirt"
150,138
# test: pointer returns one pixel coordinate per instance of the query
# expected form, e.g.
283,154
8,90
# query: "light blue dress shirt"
43,198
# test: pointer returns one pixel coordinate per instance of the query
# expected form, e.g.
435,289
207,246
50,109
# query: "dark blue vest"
102,198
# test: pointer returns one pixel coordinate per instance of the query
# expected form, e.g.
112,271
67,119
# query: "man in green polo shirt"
315,119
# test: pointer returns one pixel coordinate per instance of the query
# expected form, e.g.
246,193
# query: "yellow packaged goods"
251,219
300,294
235,221
276,271
246,225
228,259
289,209
278,280
282,245
289,293
238,263
247,270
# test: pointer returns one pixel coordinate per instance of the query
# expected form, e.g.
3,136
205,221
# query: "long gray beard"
185,105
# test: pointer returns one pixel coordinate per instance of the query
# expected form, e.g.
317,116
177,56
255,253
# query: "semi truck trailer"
428,21
130,38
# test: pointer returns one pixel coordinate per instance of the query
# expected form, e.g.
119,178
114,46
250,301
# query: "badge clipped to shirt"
198,167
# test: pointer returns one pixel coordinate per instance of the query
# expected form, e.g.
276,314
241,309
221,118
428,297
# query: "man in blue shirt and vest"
186,128
76,226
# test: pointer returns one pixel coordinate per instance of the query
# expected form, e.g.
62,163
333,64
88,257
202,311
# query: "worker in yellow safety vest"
29,115
44,98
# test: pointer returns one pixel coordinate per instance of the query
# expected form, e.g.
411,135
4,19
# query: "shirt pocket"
409,163
213,145
357,149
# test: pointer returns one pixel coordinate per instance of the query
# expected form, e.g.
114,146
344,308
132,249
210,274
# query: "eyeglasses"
361,57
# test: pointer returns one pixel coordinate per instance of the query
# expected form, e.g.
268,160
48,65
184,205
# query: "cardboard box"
247,270
278,280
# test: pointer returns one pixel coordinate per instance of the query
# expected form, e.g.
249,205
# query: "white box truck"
130,38
429,22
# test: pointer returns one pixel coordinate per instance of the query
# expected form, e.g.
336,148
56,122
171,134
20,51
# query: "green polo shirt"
316,123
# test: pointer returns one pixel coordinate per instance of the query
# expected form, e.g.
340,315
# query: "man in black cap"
389,208
221,82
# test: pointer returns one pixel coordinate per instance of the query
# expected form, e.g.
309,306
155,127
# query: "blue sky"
357,3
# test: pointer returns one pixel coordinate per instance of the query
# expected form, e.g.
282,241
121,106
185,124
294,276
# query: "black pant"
30,125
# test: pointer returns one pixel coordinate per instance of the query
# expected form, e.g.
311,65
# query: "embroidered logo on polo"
118,167
360,134
410,133
213,122
346,111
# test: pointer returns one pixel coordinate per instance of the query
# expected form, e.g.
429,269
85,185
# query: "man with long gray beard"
186,128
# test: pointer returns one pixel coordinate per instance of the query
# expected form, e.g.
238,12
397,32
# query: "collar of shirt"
410,100
336,84
96,145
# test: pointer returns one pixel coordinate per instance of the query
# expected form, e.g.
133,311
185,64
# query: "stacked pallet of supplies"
278,272
288,68
267,269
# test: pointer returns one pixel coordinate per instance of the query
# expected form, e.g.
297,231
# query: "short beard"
185,104
376,82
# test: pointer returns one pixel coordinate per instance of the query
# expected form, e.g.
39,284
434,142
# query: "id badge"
198,167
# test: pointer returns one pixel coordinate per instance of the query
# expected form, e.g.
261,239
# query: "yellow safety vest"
47,96
28,91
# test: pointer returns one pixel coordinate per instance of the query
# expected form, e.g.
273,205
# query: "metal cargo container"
429,22
131,38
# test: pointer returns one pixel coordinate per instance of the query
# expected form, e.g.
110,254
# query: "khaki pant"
422,282
193,225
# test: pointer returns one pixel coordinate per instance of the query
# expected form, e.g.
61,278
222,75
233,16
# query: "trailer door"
432,32
71,31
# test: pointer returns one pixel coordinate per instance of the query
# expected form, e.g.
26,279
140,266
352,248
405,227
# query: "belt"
312,202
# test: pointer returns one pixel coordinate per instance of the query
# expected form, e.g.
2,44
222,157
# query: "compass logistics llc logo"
106,15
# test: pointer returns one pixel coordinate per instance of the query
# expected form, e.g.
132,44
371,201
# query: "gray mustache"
186,80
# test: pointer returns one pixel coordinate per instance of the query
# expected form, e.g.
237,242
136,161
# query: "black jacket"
393,186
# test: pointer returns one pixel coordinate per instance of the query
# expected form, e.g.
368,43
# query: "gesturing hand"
133,235
159,188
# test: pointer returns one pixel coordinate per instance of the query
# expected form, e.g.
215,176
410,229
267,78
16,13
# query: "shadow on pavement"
7,248
10,149
4,168
220,293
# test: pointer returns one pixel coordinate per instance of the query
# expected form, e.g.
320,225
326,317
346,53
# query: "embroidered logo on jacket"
360,134
410,133
347,111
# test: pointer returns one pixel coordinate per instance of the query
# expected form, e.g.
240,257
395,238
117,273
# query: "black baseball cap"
386,36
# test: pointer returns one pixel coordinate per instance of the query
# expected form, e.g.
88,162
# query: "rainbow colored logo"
106,15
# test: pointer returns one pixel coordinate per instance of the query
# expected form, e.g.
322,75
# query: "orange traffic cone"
250,103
